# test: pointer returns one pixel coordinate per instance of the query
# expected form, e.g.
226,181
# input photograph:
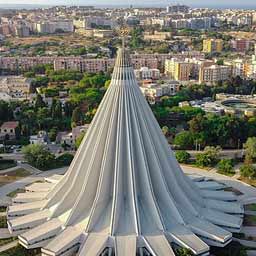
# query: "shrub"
182,156
248,171
226,166
65,159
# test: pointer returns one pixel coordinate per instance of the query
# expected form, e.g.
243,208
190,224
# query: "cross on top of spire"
123,32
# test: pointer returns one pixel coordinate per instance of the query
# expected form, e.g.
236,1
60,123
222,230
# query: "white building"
146,73
125,193
51,27
39,139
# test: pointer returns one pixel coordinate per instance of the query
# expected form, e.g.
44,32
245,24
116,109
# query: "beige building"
212,45
9,129
214,74
157,36
98,33
147,73
15,86
179,70
153,92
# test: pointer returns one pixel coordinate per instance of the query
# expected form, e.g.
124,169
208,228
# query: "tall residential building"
179,70
214,73
124,194
50,27
212,45
177,8
240,45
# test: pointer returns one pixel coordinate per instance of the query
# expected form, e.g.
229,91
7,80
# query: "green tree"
250,150
184,140
183,252
56,109
77,116
52,134
39,156
79,140
182,156
40,81
65,159
39,102
165,130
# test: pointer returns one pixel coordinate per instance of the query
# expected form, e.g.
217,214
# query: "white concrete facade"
124,191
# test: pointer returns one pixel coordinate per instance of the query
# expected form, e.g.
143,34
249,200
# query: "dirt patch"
9,177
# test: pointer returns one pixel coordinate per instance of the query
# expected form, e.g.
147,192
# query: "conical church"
124,193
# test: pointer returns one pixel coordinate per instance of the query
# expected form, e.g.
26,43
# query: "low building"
9,130
78,130
147,73
69,138
157,36
53,26
98,33
39,139
65,138
15,86
153,92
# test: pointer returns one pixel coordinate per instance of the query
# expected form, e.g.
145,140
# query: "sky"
202,3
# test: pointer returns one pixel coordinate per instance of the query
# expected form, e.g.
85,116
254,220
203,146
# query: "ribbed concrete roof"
125,190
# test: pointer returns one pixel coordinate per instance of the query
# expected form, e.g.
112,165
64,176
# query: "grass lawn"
21,251
3,208
232,249
249,220
3,222
251,182
15,192
9,177
230,174
4,166
7,240
250,207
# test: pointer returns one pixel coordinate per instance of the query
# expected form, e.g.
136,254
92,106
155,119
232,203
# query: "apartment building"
179,70
147,73
240,45
50,27
215,73
157,36
212,45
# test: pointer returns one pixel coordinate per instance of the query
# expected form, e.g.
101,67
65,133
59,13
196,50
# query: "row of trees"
210,157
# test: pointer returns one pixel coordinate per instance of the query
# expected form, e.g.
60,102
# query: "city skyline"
196,3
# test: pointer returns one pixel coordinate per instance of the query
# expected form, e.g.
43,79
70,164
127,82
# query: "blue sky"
137,2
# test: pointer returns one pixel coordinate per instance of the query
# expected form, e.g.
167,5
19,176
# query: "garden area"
21,251
6,164
9,177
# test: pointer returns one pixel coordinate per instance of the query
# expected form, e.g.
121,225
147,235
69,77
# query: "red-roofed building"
9,129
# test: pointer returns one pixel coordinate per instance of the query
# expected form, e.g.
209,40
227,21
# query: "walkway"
249,192
6,189
5,233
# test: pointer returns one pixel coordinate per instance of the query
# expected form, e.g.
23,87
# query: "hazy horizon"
161,3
